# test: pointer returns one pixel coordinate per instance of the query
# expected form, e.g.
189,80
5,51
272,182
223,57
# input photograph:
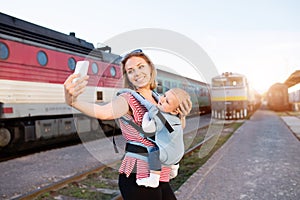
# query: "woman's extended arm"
112,110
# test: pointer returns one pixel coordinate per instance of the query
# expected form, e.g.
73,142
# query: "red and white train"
34,63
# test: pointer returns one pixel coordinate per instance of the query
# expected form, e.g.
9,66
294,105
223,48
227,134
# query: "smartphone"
81,68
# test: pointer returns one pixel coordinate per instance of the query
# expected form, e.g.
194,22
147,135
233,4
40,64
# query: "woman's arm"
112,110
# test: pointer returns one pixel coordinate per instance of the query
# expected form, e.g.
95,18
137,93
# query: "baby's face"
168,102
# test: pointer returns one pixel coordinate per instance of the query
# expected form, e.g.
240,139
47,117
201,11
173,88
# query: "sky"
257,38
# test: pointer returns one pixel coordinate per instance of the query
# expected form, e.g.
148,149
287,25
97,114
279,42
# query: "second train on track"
232,96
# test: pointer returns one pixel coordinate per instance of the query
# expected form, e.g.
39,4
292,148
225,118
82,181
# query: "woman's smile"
140,79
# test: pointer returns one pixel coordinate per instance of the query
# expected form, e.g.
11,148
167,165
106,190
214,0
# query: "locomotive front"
229,96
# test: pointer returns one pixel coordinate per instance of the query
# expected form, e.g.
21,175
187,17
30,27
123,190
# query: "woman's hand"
185,108
73,90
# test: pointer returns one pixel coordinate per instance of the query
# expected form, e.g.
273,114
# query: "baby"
170,146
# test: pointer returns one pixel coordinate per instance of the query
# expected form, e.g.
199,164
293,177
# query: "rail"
81,176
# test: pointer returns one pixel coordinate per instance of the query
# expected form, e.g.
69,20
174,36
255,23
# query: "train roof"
293,79
229,74
12,26
170,74
22,29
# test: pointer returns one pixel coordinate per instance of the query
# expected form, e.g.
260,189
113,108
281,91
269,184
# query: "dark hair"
140,54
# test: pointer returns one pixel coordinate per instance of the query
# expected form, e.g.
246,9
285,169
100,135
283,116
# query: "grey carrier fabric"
169,133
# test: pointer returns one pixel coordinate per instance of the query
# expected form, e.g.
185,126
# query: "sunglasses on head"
131,52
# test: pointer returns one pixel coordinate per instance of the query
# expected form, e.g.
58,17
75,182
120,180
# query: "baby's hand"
148,125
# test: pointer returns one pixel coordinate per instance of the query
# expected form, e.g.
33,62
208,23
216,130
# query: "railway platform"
260,161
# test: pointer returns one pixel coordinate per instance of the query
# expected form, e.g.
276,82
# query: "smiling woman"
140,74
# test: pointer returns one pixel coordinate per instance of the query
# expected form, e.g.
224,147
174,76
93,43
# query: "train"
294,98
34,63
232,97
280,97
284,96
277,97
198,90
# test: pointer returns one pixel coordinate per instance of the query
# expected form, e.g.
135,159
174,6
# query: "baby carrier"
169,141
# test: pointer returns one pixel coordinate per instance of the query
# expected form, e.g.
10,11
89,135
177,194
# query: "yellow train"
232,97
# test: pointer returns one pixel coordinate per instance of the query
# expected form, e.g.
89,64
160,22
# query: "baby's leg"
151,181
155,168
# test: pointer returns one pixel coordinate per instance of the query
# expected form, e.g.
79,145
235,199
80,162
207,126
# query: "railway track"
195,140
44,146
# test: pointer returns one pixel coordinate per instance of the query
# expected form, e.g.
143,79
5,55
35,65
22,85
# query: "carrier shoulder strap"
148,106
165,122
139,97
134,125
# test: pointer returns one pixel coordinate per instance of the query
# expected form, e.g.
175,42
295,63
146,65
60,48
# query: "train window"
95,68
4,52
159,89
99,96
42,58
113,71
71,63
167,85
174,84
219,82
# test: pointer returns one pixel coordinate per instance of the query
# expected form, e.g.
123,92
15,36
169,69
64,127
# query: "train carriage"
199,91
278,97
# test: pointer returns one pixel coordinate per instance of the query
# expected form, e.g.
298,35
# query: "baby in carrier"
163,122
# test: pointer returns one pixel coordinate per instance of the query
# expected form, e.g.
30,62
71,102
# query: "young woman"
140,75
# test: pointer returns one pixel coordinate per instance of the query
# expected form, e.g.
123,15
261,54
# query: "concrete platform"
260,161
293,123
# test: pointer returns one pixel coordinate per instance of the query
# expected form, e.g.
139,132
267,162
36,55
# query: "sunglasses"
130,53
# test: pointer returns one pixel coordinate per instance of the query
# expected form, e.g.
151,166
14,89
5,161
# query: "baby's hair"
180,94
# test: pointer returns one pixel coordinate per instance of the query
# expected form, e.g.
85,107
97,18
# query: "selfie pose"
139,74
